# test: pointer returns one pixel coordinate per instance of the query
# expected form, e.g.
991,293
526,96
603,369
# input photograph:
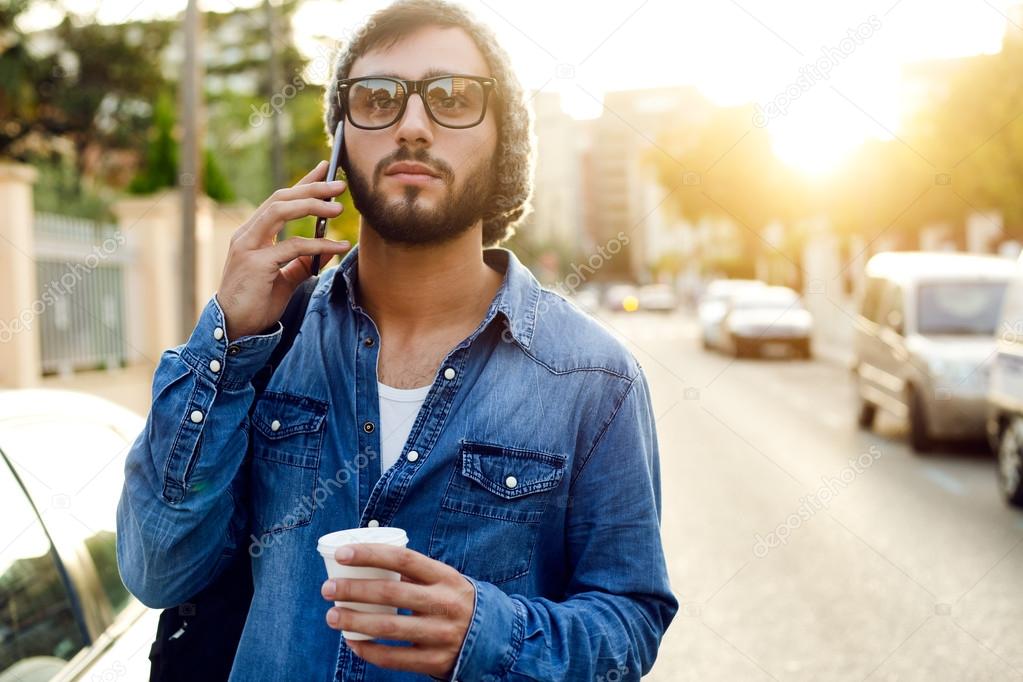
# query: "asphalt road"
803,548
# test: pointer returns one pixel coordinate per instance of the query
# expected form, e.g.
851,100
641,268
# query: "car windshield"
960,307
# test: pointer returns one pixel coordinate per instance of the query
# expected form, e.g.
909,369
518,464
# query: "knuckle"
377,590
405,560
388,628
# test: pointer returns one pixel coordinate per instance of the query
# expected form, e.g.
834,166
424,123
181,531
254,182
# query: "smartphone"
335,159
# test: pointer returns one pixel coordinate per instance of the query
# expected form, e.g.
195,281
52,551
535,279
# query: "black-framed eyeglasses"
453,101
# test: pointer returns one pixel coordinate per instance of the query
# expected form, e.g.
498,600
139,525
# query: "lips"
411,169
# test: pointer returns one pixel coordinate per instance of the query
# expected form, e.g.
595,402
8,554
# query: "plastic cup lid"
381,534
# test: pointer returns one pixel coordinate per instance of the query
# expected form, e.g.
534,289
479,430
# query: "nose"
415,126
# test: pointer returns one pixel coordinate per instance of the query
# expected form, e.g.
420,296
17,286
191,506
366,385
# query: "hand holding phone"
260,273
335,158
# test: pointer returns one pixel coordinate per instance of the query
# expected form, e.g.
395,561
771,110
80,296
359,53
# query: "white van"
925,339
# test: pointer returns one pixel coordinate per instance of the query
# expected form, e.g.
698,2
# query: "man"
434,386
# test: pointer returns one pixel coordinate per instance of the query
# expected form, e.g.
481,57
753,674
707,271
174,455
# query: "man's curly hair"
513,163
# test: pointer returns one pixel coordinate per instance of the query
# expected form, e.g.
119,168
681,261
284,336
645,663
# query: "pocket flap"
279,415
511,472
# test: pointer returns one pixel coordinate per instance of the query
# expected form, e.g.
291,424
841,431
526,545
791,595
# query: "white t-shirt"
399,408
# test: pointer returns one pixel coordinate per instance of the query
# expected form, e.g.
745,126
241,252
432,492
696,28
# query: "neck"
425,289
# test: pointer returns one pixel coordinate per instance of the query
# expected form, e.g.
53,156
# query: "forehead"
429,51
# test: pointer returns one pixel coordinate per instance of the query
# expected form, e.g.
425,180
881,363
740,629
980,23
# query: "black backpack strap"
196,641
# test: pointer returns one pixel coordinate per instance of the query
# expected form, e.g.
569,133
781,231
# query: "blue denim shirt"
567,563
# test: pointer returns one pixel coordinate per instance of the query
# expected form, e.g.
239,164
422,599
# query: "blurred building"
557,221
625,194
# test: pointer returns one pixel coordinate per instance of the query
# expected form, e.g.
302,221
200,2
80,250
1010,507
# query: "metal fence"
80,311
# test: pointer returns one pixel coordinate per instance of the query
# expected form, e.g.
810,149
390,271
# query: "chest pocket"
287,440
491,511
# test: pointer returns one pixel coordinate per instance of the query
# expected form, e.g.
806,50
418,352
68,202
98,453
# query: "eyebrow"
430,73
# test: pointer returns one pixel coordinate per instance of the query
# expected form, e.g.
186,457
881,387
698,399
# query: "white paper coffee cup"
327,545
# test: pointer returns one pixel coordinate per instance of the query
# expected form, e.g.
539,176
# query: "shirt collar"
516,299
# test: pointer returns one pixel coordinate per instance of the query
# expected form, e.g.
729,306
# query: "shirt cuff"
488,652
230,364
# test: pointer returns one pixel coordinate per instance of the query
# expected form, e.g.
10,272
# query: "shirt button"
368,342
196,416
368,427
232,350
373,523
449,373
214,366
412,456
218,333
511,481
275,425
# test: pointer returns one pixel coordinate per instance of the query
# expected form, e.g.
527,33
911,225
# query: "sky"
733,51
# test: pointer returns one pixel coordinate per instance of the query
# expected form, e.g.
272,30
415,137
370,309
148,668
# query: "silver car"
64,613
924,341
713,305
657,297
767,320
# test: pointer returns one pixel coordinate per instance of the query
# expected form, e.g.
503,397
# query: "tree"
160,167
726,171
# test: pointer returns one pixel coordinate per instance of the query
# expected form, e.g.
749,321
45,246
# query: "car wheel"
919,438
868,412
1010,462
804,350
741,348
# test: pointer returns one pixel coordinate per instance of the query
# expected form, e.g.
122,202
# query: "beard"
402,220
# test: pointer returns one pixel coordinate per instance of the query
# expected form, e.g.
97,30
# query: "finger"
417,598
272,217
296,272
320,189
432,661
419,567
416,629
319,172
283,253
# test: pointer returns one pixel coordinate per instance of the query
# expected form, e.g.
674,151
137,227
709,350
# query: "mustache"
442,168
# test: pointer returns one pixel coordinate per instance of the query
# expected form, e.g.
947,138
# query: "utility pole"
274,83
190,171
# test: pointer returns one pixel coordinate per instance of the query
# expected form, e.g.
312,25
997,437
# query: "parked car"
1005,394
658,298
588,298
767,319
713,304
924,339
64,613
619,297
